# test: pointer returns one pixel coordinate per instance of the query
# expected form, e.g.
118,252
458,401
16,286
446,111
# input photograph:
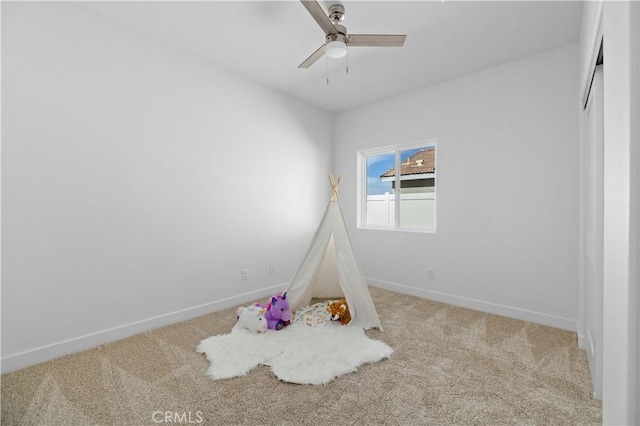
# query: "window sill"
416,230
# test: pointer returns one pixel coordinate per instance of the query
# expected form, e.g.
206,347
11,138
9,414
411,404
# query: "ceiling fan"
337,38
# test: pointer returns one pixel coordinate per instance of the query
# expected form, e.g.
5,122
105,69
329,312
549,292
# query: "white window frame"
362,185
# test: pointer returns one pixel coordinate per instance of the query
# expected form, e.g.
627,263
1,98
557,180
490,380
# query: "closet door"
594,230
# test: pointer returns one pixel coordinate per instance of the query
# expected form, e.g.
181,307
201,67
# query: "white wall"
128,183
512,247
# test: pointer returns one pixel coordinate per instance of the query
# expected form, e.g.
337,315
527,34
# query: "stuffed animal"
278,313
339,311
251,318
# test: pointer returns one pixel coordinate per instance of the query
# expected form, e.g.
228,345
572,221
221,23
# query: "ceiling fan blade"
314,57
378,40
318,14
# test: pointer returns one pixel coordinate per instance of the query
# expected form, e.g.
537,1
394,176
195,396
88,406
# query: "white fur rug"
296,354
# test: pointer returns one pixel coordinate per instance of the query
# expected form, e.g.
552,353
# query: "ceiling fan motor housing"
337,37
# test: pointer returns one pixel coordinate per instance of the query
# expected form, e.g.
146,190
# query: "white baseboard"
45,353
479,305
581,342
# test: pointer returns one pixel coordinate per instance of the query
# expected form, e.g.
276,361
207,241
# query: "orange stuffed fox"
339,311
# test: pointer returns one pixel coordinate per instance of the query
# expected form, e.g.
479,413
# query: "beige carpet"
451,366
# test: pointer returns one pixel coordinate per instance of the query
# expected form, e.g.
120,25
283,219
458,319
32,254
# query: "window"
380,184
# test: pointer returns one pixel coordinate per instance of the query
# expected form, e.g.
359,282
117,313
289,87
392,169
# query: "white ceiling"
267,40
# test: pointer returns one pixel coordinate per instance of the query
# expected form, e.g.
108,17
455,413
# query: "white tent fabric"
314,280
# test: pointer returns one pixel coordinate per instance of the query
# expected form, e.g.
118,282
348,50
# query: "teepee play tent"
330,269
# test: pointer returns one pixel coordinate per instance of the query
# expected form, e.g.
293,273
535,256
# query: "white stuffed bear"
251,318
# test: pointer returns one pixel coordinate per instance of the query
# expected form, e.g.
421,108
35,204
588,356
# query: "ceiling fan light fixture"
335,49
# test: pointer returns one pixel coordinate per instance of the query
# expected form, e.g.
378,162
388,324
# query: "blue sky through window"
376,166
379,164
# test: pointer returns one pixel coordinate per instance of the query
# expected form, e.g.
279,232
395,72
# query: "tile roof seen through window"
419,163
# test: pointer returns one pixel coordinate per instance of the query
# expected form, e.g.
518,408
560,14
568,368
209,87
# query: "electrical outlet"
244,274
431,274
272,269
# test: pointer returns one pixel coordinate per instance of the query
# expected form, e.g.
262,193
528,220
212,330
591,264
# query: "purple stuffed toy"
278,313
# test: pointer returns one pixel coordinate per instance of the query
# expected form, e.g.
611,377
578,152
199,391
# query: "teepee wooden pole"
334,186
